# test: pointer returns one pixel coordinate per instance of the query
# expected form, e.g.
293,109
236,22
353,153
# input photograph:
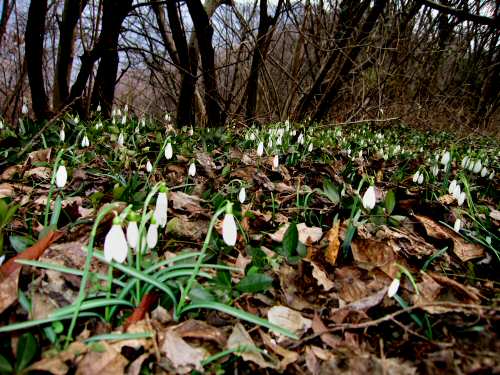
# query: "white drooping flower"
190,131
456,191
457,225
24,109
252,136
2,259
300,139
192,169
260,149
98,125
270,143
461,198
484,172
85,141
124,119
492,174
61,176
420,179
276,162
229,232
98,109
121,139
125,109
279,141
445,159
465,162
62,135
152,235
149,167
477,166
76,119
393,288
132,234
161,209
1,125
115,243
310,148
242,195
416,176
169,152
369,198
167,117
435,170
452,186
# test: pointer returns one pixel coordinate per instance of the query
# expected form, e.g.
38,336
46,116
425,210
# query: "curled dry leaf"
289,319
183,356
186,202
201,330
369,254
332,251
287,356
312,234
240,339
465,251
321,277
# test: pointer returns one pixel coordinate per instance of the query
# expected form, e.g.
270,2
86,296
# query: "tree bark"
71,13
4,17
114,13
259,55
34,37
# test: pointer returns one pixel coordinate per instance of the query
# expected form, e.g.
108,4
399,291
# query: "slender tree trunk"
259,55
34,36
113,14
204,33
71,13
7,7
325,103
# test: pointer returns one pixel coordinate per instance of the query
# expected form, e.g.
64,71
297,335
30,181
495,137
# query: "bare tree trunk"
34,36
259,55
4,17
71,13
204,33
370,22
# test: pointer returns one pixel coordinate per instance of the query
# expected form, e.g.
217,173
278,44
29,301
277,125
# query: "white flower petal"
369,198
393,288
169,152
132,234
61,176
161,209
457,225
152,236
115,244
192,170
229,232
242,195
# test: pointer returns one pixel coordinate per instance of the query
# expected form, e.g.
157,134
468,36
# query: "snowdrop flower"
192,169
161,208
300,140
229,232
98,125
279,141
457,225
252,136
435,170
113,112
62,135
85,141
491,175
416,176
98,109
461,198
24,109
142,122
76,119
132,232
477,166
484,172
452,186
445,159
276,162
167,117
190,131
1,125
260,149
393,288
2,259
293,133
124,119
149,167
152,236
457,191
118,112
242,195
470,165
369,198
465,161
125,110
169,152
121,139
270,143
61,176
420,179
310,148
115,243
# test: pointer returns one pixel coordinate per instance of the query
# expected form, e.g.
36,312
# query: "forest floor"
353,252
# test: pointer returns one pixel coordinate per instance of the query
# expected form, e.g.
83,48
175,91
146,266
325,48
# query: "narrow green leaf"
5,366
27,347
390,202
290,240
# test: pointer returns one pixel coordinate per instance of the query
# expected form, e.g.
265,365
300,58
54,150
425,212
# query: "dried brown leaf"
240,338
332,251
183,356
289,319
106,361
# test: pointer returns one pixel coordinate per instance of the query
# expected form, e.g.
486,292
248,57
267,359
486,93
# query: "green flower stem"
86,269
108,294
187,289
52,185
158,157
